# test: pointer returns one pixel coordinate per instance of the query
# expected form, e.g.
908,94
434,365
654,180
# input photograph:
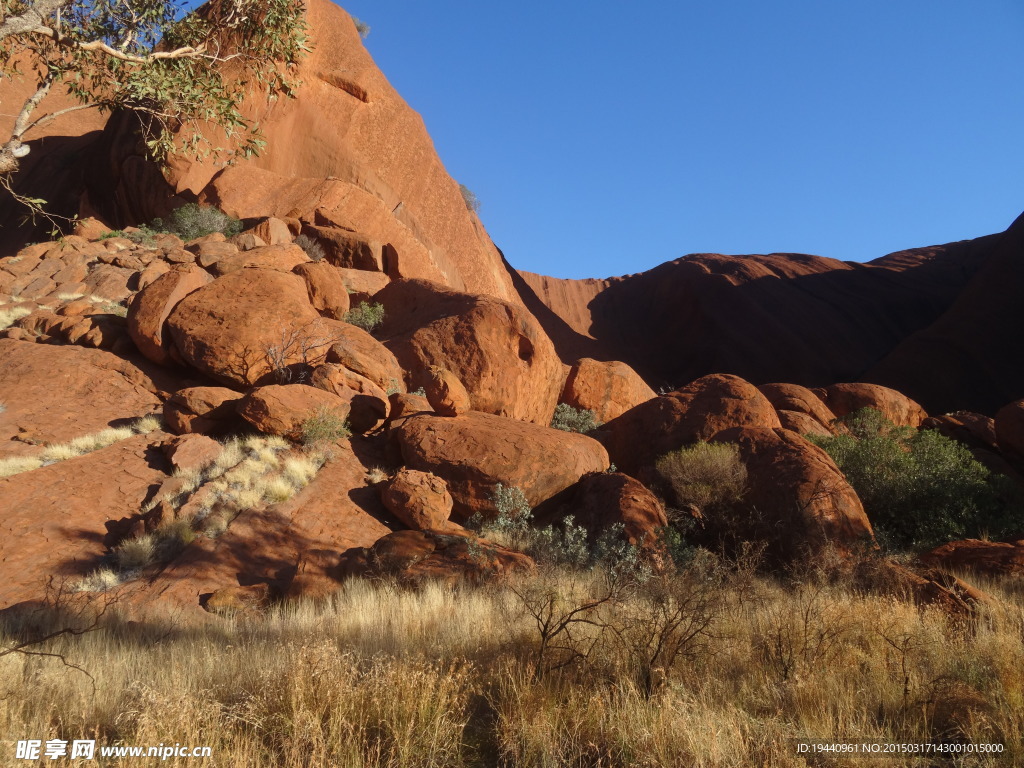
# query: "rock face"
608,389
475,452
843,399
244,328
496,349
282,410
445,392
992,558
419,499
695,412
799,497
603,499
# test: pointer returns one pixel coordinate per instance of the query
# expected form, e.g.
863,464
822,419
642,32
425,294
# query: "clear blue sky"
605,138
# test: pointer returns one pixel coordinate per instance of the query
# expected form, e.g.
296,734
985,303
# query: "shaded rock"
152,305
843,399
974,430
273,231
1009,427
368,403
609,389
798,497
249,327
496,349
414,558
204,410
445,392
476,451
692,413
926,586
247,241
419,499
797,399
991,558
326,289
361,284
802,423
282,409
347,249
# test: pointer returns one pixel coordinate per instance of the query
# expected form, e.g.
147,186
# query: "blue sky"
606,138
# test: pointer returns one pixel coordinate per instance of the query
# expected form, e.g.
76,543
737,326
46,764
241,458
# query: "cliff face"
347,153
932,322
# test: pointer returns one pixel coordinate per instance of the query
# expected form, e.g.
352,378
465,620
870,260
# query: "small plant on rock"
324,425
704,474
313,249
193,220
470,198
367,316
569,419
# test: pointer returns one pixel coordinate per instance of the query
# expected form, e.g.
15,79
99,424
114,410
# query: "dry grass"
442,677
12,314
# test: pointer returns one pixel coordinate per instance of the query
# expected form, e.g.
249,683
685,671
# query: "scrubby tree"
176,69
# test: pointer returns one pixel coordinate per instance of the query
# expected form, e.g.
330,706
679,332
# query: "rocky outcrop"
608,389
794,399
359,352
843,399
327,292
1009,429
476,451
496,349
698,411
798,497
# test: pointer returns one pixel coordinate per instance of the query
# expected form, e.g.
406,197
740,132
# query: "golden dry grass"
443,677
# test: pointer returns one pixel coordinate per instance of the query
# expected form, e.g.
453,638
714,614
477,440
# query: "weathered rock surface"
992,558
496,349
695,412
608,389
843,399
243,327
476,451
445,392
368,404
152,305
358,351
205,410
798,497
283,409
419,499
1009,428
281,258
797,399
327,292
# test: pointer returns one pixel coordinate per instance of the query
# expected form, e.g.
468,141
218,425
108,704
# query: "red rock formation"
419,499
284,410
608,389
445,392
843,399
992,558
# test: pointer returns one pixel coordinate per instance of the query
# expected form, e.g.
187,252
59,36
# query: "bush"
569,419
470,198
706,475
366,316
193,220
312,247
324,425
361,27
919,489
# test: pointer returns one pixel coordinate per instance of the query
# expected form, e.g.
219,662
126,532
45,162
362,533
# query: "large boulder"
368,403
843,399
419,499
798,499
203,410
497,349
327,291
601,500
445,392
152,305
283,409
609,389
698,411
800,400
1009,427
249,327
358,351
477,451
992,558
281,258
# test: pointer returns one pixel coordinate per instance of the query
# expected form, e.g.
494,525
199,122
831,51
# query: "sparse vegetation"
324,425
368,316
470,198
569,419
10,315
193,220
361,27
920,489
706,475
312,247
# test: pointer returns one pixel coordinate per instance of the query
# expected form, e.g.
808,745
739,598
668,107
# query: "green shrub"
193,220
919,488
324,425
312,247
707,475
569,419
366,316
470,198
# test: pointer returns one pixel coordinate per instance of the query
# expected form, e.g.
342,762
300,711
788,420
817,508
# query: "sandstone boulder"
843,399
249,327
609,389
992,558
273,231
283,258
797,399
476,451
798,497
445,392
152,305
368,403
496,349
347,249
361,284
974,430
327,292
695,412
1009,427
203,410
191,451
419,499
802,424
283,409
358,351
